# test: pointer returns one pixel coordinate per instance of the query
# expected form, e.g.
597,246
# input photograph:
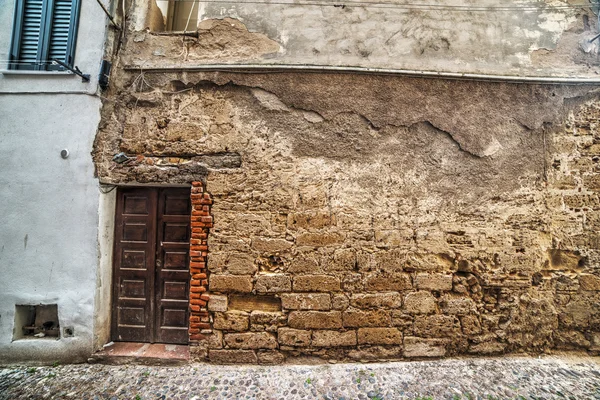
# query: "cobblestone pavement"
491,378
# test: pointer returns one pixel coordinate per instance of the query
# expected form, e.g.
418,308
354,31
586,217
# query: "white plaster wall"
48,205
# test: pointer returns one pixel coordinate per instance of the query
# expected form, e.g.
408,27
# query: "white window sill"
31,72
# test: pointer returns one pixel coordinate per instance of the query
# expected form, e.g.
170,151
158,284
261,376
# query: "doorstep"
142,353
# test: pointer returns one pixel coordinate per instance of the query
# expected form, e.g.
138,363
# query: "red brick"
194,308
199,276
195,296
197,337
194,318
198,265
197,184
207,219
205,297
195,282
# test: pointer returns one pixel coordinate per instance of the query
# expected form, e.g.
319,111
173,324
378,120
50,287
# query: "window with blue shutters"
44,30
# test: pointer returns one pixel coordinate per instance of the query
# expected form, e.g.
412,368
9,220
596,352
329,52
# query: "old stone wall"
368,217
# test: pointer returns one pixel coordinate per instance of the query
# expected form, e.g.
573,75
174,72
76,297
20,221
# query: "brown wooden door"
151,265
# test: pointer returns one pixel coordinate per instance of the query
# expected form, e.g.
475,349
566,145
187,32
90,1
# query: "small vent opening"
36,322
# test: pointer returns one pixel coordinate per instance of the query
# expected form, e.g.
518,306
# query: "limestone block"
379,336
458,305
376,300
419,303
393,282
359,318
488,347
339,301
589,282
372,353
306,301
267,321
437,325
230,283
250,302
333,338
319,239
419,347
316,283
232,356
270,357
250,340
437,282
273,283
271,246
217,303
241,264
470,325
315,319
231,321
402,320
293,337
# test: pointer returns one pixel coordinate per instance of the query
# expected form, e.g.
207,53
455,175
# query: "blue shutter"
60,29
44,30
27,47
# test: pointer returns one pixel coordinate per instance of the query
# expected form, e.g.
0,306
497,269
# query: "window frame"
43,49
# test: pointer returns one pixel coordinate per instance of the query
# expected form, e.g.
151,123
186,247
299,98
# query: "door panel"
151,266
173,276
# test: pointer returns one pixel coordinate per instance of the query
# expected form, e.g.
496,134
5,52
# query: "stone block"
376,300
293,337
420,303
419,347
309,220
437,325
488,347
270,357
217,303
271,246
275,283
435,282
589,282
231,321
374,353
230,283
267,321
319,239
250,340
379,336
306,301
392,282
315,319
316,283
339,301
457,305
333,338
254,302
359,318
402,320
232,356
470,325
241,264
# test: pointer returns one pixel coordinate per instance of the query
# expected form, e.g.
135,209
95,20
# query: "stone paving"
566,377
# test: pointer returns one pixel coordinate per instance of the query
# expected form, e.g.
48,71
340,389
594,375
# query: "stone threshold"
119,353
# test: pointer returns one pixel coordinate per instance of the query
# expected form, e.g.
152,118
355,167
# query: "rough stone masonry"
370,217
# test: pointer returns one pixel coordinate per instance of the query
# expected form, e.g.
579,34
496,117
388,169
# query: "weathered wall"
537,38
376,217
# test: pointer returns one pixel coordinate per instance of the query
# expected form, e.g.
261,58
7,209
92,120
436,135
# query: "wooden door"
151,265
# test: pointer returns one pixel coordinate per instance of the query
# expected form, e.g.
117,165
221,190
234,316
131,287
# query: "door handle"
158,263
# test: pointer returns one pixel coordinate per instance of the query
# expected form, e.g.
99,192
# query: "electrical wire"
405,6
